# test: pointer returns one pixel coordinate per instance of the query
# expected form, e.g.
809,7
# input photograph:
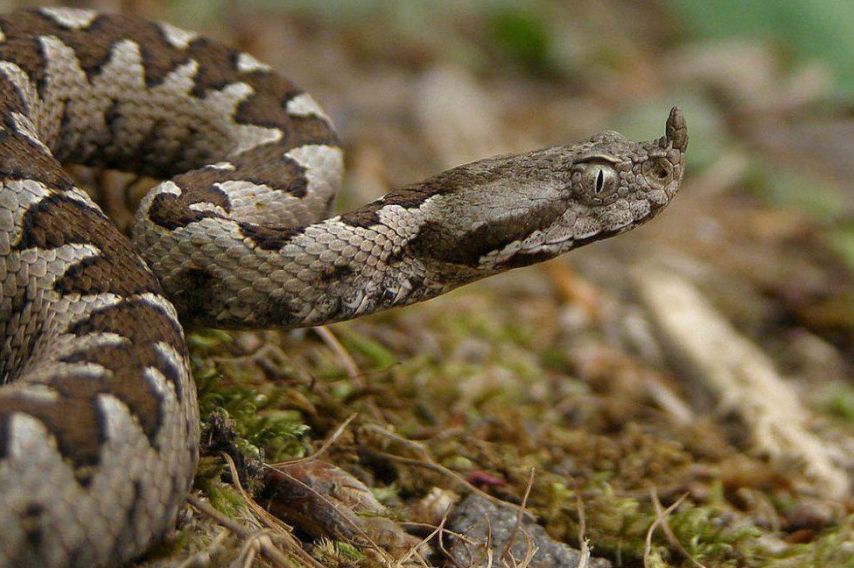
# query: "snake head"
600,188
617,184
481,218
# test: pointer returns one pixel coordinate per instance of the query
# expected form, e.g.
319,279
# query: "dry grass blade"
659,519
583,547
456,477
293,546
444,550
205,557
530,551
344,357
668,532
415,447
413,551
328,443
266,546
490,553
519,517
350,367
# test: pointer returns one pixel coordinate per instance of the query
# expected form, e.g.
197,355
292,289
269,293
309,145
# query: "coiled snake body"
98,418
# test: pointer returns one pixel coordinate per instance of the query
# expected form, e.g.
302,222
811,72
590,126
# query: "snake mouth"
558,242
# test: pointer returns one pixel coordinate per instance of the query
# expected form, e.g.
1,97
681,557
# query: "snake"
99,425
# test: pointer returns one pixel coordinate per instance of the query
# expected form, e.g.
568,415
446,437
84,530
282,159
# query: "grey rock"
481,521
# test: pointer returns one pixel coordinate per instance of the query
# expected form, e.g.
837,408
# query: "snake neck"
330,271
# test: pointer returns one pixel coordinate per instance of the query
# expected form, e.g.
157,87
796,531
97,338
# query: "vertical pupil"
600,181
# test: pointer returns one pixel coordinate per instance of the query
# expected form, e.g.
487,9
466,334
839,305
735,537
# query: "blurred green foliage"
523,36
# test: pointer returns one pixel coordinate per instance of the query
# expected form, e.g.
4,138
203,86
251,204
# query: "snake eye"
599,181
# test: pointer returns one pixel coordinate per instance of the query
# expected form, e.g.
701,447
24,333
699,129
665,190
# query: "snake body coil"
98,417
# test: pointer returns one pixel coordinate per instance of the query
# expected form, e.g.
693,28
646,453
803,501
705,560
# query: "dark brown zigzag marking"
20,159
408,198
265,165
59,220
173,211
80,444
217,68
269,238
267,107
22,46
264,110
311,130
268,166
143,325
161,153
92,46
148,157
11,99
413,196
192,300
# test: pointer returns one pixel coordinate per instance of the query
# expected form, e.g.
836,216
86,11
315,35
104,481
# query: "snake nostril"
658,170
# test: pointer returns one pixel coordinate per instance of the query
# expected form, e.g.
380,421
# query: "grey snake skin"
98,417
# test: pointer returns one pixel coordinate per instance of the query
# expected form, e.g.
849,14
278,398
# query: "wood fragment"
741,379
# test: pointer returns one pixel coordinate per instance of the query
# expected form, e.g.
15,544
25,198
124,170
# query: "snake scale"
98,417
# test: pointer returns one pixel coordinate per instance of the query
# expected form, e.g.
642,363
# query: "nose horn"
676,131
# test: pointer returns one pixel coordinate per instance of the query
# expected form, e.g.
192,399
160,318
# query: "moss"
499,397
833,547
262,426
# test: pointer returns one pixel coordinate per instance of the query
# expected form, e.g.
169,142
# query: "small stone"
480,521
